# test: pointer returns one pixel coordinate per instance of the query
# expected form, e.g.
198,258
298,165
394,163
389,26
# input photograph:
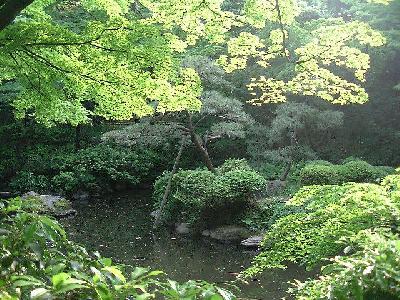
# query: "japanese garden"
200,149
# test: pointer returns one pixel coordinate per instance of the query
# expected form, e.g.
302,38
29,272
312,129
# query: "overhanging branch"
9,10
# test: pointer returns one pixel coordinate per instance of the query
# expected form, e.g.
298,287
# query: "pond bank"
120,227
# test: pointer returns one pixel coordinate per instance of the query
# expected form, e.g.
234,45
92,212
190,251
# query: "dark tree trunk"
78,130
293,142
200,147
286,171
9,9
169,184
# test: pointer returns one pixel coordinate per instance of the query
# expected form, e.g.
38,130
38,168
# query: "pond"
120,227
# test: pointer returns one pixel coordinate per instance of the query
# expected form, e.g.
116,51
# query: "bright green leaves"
105,64
372,270
240,49
329,46
37,11
258,12
322,216
273,91
194,18
327,53
115,68
249,46
322,83
113,8
185,94
63,283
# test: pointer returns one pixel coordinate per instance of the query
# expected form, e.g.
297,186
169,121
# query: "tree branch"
282,29
10,9
77,43
50,64
164,200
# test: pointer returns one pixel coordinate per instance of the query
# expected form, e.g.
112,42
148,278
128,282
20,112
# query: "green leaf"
59,279
70,285
116,272
107,262
103,292
39,293
138,272
25,280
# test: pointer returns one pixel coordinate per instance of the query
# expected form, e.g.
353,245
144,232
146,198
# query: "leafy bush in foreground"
372,272
202,198
326,214
39,262
357,220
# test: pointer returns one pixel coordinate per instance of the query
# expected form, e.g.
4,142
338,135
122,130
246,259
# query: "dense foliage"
205,199
39,262
74,60
328,214
97,169
352,171
370,272
325,220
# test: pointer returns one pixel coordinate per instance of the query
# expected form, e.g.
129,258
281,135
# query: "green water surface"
120,227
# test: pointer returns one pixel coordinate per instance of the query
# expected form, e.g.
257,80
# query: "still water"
120,227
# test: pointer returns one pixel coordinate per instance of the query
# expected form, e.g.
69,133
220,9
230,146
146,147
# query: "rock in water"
81,197
252,242
6,195
182,228
228,233
50,204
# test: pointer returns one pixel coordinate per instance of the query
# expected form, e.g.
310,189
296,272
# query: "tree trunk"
169,184
78,130
9,9
200,147
293,141
286,171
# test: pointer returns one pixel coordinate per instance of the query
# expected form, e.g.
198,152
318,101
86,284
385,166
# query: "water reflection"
120,227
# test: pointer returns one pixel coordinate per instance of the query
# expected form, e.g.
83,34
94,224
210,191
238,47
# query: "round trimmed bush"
319,174
358,171
205,199
353,171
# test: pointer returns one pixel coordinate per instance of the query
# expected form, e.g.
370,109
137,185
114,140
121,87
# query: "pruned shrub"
351,171
205,199
320,174
95,169
234,164
27,181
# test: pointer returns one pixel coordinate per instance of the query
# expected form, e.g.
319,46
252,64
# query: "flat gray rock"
182,228
252,242
50,204
228,233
